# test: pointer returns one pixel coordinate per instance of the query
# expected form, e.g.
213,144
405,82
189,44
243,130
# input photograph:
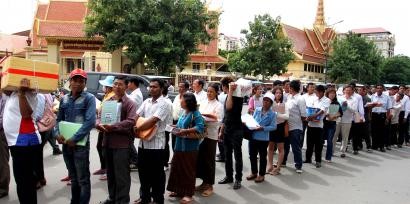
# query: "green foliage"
396,70
354,57
161,33
265,52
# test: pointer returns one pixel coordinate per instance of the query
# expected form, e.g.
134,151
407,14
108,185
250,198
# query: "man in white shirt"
314,135
403,117
198,87
297,114
136,94
285,90
356,131
309,98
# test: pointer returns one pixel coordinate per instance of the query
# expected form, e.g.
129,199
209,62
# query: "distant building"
383,39
12,45
228,43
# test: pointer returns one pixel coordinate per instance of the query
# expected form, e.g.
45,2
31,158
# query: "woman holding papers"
277,137
181,181
212,111
259,142
332,115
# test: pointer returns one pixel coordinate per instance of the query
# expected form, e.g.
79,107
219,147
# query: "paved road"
366,178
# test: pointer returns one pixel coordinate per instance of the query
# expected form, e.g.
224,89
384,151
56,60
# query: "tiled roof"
370,30
206,59
41,11
66,11
57,29
12,43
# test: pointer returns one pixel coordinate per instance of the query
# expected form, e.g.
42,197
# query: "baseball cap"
78,72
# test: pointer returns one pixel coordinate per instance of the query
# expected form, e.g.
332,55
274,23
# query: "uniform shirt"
137,97
213,107
350,110
322,104
200,96
309,99
297,108
405,106
267,121
169,116
396,109
19,131
177,111
384,100
159,109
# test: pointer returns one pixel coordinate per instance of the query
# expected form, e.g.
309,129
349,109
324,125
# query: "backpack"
48,120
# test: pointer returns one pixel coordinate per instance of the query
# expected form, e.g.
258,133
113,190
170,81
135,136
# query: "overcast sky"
393,15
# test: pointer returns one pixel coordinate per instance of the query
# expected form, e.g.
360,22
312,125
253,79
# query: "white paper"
169,128
244,88
249,121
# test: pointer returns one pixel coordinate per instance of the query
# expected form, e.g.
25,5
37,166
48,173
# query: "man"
151,153
170,121
177,111
198,87
4,151
365,127
314,138
297,114
285,90
381,106
392,92
222,98
78,106
136,96
309,98
171,87
116,142
23,139
403,117
232,137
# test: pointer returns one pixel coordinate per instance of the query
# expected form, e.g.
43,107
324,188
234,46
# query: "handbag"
144,134
49,118
197,134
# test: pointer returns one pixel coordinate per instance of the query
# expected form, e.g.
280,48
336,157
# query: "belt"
383,113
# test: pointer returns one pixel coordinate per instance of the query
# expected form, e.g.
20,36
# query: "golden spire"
320,17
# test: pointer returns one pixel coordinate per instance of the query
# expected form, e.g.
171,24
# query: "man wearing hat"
77,107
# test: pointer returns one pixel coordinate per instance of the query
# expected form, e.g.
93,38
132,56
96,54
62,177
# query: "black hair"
226,80
186,84
274,92
214,86
295,85
120,77
160,82
134,80
395,87
190,101
201,82
165,89
320,88
379,85
277,83
403,85
353,84
286,81
309,84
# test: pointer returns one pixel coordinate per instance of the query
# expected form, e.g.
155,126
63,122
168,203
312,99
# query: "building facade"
228,43
382,38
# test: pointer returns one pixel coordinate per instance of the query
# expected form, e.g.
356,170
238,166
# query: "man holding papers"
118,136
77,107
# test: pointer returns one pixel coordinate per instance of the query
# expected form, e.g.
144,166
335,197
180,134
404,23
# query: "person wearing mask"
107,84
198,88
259,141
4,149
212,111
349,107
77,107
277,137
297,114
151,152
314,138
329,124
309,97
256,99
381,106
181,182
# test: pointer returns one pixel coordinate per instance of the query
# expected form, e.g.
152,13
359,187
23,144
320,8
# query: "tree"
161,33
396,70
265,50
354,57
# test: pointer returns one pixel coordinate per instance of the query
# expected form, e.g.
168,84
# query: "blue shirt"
267,121
78,110
185,122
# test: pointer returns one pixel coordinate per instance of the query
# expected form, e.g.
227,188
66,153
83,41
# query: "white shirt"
159,109
350,111
171,88
309,99
136,96
200,96
384,100
322,104
177,111
285,96
405,106
169,117
213,107
12,120
396,108
282,112
360,106
297,108
222,98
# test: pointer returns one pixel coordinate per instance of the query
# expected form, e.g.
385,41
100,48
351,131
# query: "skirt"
182,175
205,168
278,136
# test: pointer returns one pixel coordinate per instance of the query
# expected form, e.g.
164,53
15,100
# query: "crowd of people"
192,126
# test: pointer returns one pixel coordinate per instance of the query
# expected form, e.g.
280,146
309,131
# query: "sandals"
173,195
251,177
275,171
207,192
201,187
260,179
186,200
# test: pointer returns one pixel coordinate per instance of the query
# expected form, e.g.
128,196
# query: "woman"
329,128
212,111
256,100
277,137
181,181
259,142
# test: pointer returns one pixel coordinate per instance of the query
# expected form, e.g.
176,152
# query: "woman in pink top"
256,100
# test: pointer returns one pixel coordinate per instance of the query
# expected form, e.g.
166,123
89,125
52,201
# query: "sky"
392,15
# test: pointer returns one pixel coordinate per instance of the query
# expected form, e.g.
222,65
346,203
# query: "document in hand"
312,111
110,112
249,121
68,129
145,134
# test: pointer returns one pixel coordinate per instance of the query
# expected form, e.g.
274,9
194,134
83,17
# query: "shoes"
108,201
260,179
208,192
186,200
201,187
67,178
99,172
343,155
57,152
356,152
328,161
299,171
382,150
318,165
4,195
282,165
237,185
307,162
225,180
399,146
251,177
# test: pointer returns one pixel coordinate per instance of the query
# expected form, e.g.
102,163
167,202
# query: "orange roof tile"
56,29
41,11
66,11
370,30
206,59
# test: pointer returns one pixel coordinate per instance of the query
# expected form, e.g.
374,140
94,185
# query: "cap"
270,96
78,72
108,81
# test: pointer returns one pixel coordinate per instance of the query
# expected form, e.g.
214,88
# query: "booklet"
333,109
249,121
311,111
110,112
68,129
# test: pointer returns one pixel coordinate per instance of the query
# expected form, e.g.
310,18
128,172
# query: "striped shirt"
160,109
